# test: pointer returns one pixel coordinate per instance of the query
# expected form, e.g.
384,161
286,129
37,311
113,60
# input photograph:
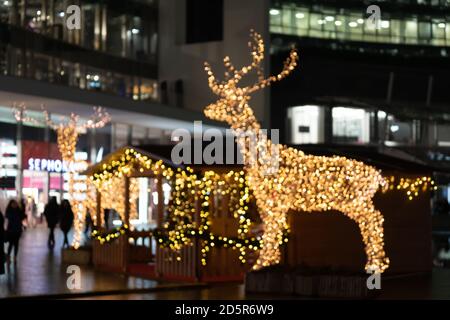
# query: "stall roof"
156,153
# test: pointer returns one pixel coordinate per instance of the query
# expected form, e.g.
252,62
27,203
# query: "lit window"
307,124
274,12
351,125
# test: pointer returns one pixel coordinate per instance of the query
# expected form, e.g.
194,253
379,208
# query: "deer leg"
275,223
370,223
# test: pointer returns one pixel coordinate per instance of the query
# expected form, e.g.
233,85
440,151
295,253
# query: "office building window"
348,24
306,124
351,125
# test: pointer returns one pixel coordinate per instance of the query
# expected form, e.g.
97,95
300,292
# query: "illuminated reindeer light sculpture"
68,131
302,182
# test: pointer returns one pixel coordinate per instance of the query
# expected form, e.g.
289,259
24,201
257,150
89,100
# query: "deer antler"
256,45
20,113
229,66
289,65
212,82
98,119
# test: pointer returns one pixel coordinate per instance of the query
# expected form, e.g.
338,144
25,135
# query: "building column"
98,208
92,145
328,122
47,140
113,137
160,206
19,178
130,135
375,133
127,201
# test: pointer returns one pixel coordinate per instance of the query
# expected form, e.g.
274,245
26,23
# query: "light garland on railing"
412,187
109,236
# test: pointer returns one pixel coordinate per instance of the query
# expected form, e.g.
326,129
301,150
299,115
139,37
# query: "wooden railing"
133,247
182,265
140,245
111,256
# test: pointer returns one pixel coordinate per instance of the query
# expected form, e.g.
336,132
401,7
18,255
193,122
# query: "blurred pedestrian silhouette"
106,213
66,220
15,217
31,212
89,223
51,213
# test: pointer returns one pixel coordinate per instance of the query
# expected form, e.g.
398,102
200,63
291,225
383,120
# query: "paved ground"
39,272
436,286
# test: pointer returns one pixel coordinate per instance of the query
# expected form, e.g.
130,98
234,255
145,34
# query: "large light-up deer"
302,182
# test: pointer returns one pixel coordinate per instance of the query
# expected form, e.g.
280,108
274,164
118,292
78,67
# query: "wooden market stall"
215,231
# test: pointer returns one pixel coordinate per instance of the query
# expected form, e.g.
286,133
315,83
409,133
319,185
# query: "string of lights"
109,236
412,187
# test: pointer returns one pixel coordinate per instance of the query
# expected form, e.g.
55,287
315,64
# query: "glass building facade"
350,125
353,25
114,51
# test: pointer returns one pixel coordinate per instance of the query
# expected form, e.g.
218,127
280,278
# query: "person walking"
106,214
2,243
30,210
51,213
88,224
15,217
66,220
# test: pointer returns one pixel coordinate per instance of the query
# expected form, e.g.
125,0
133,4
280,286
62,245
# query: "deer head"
232,106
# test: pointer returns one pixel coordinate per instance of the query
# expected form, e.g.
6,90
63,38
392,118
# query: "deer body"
301,182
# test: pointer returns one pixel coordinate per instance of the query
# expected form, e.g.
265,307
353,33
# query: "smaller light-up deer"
67,132
302,182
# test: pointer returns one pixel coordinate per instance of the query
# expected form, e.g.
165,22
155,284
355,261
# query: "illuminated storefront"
41,173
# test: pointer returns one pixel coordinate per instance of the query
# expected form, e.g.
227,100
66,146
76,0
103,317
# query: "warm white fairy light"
113,196
303,182
67,137
412,187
